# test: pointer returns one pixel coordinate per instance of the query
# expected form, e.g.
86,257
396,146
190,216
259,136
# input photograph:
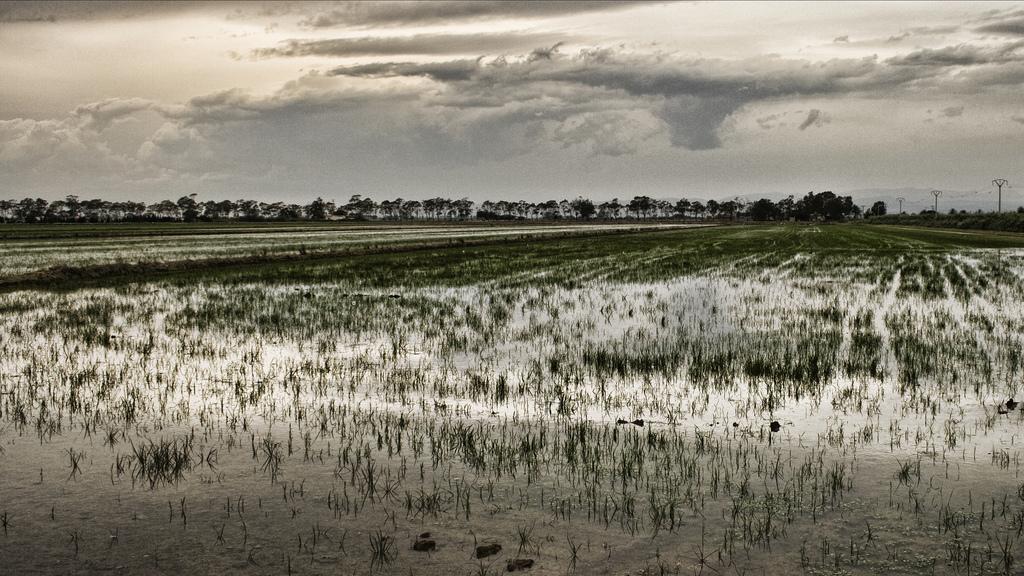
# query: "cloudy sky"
530,100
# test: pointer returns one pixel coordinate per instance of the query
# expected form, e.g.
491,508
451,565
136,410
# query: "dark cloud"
814,118
922,31
961,55
749,79
1000,22
451,71
933,30
311,14
952,111
407,13
60,11
692,97
1008,28
770,121
694,122
545,53
100,115
311,95
980,78
422,44
997,15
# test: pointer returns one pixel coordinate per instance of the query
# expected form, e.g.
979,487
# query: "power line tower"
936,193
900,200
1000,182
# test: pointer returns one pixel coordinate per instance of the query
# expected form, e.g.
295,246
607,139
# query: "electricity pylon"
1000,182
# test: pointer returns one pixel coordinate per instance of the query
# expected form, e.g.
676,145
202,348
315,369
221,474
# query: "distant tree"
208,210
833,209
360,208
250,209
435,207
7,210
682,207
31,210
463,208
289,212
73,207
610,209
504,209
729,208
713,208
824,206
118,211
584,208
548,210
663,208
188,207
226,208
97,210
55,212
786,207
165,210
390,209
270,210
763,209
641,206
317,209
877,209
411,208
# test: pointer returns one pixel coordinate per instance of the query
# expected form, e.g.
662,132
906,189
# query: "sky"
512,100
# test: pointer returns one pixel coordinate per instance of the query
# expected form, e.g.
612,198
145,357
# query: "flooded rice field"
26,253
763,400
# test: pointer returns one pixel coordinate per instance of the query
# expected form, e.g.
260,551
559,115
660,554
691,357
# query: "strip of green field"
460,262
62,263
154,229
665,254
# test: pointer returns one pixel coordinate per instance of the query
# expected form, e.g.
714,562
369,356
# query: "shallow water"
234,427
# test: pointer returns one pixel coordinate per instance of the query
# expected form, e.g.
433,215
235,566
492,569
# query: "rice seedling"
382,549
75,458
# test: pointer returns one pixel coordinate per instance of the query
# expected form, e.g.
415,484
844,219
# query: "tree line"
825,206
996,221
